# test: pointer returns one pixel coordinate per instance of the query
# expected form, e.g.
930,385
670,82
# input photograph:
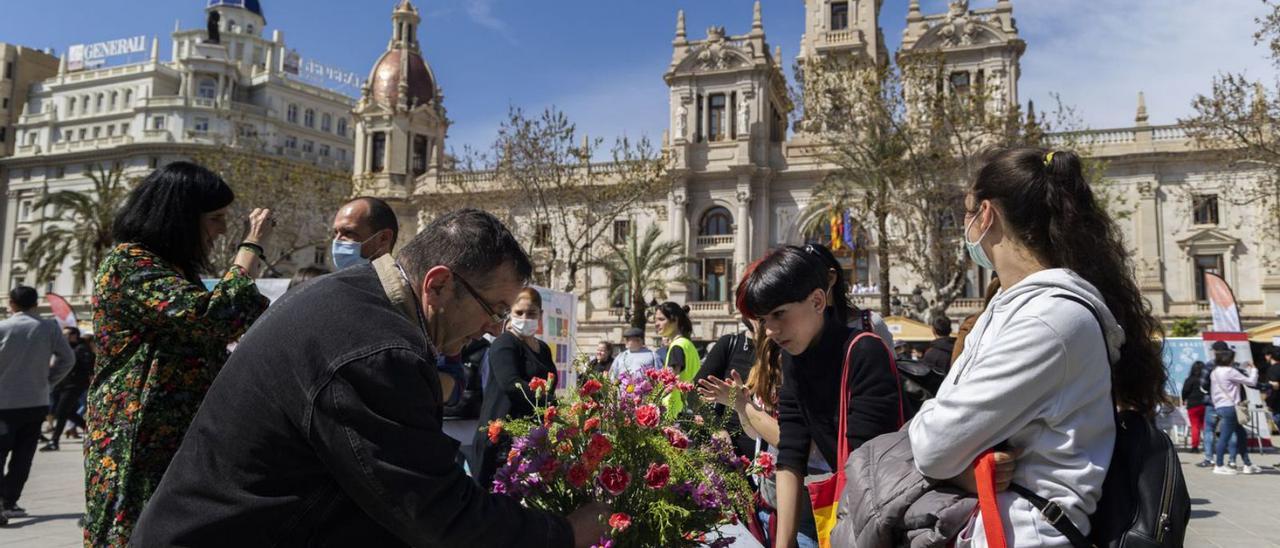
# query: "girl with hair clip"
788,295
1038,376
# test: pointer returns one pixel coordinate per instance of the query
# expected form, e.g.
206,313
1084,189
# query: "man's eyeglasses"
493,316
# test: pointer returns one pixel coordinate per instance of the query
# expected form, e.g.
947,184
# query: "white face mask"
525,327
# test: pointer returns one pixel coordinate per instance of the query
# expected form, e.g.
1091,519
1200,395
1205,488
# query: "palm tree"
88,237
643,265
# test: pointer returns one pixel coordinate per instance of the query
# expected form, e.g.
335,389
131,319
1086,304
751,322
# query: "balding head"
369,221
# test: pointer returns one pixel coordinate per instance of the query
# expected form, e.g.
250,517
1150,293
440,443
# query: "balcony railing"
709,307
715,241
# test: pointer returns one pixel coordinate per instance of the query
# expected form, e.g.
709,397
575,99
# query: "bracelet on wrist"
255,249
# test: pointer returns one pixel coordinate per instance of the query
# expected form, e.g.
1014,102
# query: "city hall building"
743,173
743,178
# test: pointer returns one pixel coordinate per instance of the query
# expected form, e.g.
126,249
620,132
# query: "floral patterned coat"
162,340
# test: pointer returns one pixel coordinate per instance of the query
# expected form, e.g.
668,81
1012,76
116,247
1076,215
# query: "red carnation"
549,416
495,429
591,424
614,479
598,448
647,415
657,476
619,522
684,386
549,467
578,474
538,384
766,463
676,437
590,387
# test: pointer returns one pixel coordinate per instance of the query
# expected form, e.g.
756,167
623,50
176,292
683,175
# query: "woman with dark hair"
162,336
672,322
516,357
1039,374
787,294
1193,400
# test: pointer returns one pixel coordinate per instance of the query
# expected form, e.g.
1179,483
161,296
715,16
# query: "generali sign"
88,56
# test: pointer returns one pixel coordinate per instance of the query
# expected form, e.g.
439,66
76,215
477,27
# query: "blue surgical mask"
346,253
975,248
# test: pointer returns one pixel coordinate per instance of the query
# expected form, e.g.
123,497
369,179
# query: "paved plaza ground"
1227,511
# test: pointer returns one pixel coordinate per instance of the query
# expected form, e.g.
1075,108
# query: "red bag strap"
842,432
984,473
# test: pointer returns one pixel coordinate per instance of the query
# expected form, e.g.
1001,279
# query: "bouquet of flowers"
669,480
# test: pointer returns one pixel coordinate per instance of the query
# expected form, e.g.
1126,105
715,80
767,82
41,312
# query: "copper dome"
385,88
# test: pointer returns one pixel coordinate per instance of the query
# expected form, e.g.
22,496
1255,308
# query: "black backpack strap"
1055,515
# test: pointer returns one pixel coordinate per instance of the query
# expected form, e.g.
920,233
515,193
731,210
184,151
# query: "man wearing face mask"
363,230
329,432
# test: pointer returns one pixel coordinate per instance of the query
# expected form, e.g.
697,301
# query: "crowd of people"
1218,411
325,425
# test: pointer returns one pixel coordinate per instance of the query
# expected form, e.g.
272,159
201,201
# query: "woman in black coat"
515,358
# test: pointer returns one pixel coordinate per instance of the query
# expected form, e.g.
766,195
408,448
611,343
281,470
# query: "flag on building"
847,232
61,310
1222,304
835,231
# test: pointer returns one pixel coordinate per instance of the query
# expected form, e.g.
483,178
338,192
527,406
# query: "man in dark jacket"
938,356
324,427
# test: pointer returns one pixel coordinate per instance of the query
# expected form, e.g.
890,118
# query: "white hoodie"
1035,373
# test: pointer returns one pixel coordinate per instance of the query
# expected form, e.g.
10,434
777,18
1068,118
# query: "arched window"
342,127
293,114
71,106
98,104
326,122
128,97
309,119
249,28
716,222
115,97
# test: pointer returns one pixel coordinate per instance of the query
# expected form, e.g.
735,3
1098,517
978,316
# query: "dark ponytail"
1049,206
678,314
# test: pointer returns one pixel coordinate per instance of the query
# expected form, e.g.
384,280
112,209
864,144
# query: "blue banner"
1179,354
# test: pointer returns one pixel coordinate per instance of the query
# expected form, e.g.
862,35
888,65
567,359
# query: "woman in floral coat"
162,335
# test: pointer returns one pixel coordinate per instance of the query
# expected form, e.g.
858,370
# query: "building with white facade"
240,90
743,178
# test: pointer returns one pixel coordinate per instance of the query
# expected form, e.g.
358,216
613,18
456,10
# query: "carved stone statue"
682,121
744,117
214,28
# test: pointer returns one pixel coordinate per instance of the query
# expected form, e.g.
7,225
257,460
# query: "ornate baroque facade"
139,116
742,180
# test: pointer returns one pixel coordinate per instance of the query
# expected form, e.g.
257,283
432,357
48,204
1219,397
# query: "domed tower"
239,16
400,121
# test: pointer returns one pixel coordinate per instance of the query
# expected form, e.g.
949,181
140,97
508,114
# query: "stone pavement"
1227,511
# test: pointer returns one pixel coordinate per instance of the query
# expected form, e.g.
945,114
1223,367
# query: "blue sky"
601,61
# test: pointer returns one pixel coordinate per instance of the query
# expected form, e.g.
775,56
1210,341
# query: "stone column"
6,247
678,220
742,236
1149,226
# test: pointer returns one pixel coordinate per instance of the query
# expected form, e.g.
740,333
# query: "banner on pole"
61,310
1222,304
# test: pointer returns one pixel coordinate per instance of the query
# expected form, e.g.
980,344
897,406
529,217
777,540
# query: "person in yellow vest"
672,322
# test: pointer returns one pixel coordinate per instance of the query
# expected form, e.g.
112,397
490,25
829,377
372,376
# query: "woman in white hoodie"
1038,377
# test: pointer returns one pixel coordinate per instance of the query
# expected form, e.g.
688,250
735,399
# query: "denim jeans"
1231,428
806,534
1206,433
